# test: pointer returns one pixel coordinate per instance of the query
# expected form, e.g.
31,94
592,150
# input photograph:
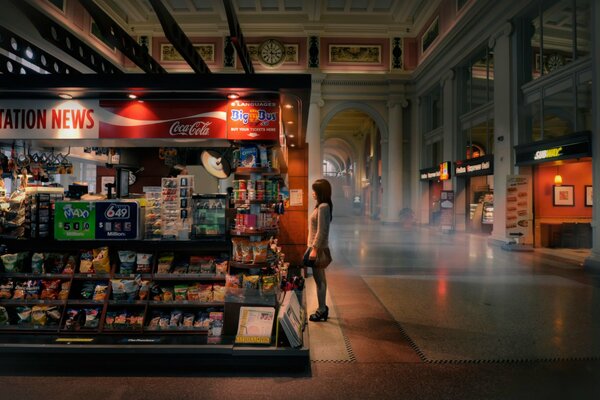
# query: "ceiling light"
132,96
288,106
291,135
65,96
292,145
233,96
290,122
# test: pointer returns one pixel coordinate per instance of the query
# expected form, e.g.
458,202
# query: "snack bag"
101,262
4,319
127,262
6,288
260,250
37,263
144,263
70,264
165,262
100,292
86,262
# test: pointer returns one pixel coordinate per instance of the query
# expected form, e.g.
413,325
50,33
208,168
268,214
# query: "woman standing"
317,253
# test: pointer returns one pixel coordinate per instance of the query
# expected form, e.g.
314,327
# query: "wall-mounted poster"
563,195
589,200
518,201
354,53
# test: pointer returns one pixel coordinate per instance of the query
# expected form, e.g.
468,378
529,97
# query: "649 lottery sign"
117,220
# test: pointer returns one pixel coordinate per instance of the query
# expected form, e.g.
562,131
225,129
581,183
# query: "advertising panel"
117,220
132,119
74,220
253,120
518,206
163,119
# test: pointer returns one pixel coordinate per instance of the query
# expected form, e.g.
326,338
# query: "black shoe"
320,315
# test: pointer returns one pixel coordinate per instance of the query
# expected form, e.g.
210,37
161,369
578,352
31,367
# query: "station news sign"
132,119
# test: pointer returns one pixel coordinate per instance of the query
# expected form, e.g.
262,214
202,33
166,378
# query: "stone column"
503,136
313,138
448,122
393,186
416,150
593,261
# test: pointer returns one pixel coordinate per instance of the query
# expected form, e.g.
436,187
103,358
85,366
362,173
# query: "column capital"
506,30
448,77
317,100
393,101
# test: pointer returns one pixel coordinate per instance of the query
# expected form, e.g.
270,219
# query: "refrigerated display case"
209,215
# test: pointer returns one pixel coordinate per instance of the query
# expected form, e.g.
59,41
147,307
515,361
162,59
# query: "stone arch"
364,107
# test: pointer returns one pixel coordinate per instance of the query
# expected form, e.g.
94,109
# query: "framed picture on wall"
589,200
563,195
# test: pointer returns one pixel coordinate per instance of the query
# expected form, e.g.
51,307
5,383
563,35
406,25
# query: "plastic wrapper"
87,290
39,316
221,267
32,289
175,318
37,263
55,263
74,319
4,318
24,314
167,294
268,284
92,318
144,292
70,264
19,292
218,293
205,293
50,289
233,281
101,262
86,265
144,263
188,320
181,292
259,251
247,251
165,262
64,290
6,289
180,267
10,262
100,292
250,281
127,261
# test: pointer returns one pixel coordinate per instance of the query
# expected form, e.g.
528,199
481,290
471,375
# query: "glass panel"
533,121
583,10
558,35
479,138
558,114
436,108
584,106
466,135
479,81
269,5
491,76
536,37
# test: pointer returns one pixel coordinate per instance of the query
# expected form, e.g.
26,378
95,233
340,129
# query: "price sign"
74,220
117,220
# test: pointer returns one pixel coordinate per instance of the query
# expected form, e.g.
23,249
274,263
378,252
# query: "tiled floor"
415,314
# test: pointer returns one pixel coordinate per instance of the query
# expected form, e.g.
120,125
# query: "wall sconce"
557,178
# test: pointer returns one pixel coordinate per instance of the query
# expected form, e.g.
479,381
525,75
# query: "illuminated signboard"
577,145
475,166
429,174
445,171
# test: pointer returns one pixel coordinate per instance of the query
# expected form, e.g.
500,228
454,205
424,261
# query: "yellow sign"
74,340
549,153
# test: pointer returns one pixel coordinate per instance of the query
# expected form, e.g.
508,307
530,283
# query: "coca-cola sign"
198,128
194,120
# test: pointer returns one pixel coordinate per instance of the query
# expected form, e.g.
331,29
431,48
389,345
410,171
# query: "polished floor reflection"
459,299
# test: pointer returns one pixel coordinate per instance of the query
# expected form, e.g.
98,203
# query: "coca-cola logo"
198,128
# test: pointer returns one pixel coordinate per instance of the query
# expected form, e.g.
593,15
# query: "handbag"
306,261
323,258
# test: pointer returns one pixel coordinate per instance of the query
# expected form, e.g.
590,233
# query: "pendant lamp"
557,178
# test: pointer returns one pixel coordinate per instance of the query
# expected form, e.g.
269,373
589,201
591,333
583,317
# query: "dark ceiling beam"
119,38
237,38
10,66
179,39
66,41
27,54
